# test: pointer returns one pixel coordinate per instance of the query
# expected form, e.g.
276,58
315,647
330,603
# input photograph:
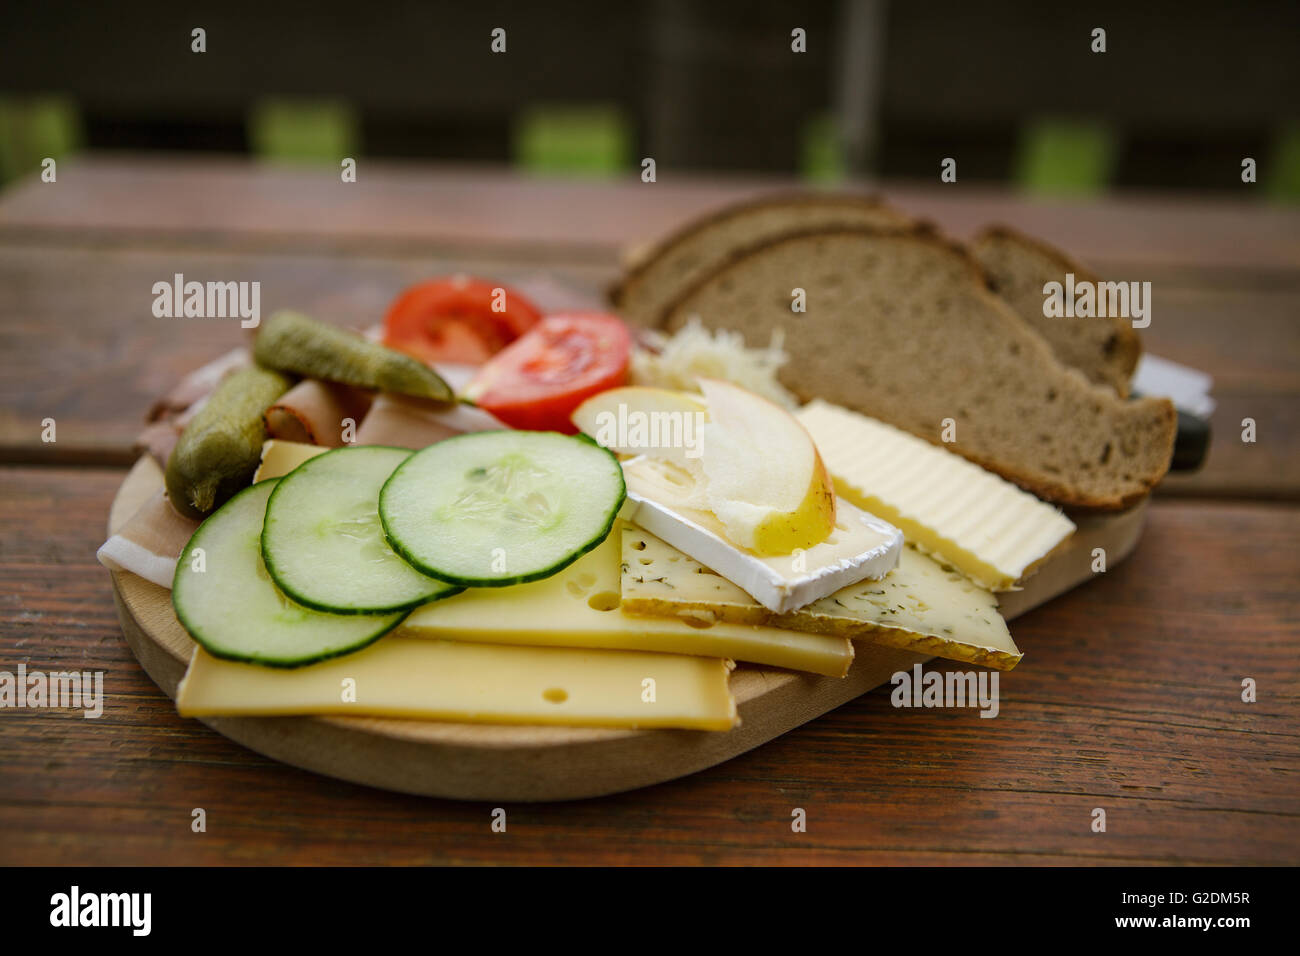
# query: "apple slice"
736,454
766,482
636,420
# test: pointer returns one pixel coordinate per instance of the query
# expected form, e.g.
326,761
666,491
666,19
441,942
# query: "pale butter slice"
581,606
443,680
921,605
992,531
860,547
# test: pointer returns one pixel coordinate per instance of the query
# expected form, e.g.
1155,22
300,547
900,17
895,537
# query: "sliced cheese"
921,605
581,607
280,457
861,546
445,680
987,527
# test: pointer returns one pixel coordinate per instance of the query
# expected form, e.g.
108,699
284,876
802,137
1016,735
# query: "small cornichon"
219,450
292,342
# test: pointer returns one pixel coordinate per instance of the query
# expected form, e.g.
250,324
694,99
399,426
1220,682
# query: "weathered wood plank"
1128,699
395,205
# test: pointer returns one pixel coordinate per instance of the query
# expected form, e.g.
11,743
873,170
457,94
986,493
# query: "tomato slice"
537,382
453,320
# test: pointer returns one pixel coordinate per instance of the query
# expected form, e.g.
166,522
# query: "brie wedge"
663,500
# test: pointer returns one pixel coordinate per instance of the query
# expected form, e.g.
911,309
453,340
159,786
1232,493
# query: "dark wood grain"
1247,335
1128,699
397,206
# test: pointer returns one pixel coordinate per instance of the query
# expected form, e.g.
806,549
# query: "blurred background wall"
1013,90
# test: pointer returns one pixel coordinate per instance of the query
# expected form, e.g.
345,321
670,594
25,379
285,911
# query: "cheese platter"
536,763
488,552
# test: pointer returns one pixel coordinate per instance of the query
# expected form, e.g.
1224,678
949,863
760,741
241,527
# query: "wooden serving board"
521,763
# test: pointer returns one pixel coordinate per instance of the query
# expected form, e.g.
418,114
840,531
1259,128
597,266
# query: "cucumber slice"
324,545
233,608
503,507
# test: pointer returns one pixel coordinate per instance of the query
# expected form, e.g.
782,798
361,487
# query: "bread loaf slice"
661,274
1105,349
900,325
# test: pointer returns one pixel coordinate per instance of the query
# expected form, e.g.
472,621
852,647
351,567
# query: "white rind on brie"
861,547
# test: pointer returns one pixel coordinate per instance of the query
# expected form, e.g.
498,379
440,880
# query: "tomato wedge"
457,319
537,382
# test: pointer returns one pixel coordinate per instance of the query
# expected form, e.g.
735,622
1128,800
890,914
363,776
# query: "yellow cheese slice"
988,528
281,457
478,683
580,607
921,605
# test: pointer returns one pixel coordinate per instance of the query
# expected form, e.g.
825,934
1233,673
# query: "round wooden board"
531,763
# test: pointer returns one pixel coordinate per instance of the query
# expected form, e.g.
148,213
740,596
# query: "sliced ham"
315,412
407,422
198,384
158,439
169,415
469,418
150,543
456,374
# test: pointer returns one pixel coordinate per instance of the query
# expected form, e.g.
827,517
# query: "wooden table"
1129,697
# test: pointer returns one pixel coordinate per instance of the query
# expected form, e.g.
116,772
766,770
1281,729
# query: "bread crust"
1129,343
1058,492
619,290
920,229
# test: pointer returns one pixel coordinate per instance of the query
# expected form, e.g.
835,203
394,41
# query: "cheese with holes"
581,606
861,546
476,683
920,606
992,531
281,457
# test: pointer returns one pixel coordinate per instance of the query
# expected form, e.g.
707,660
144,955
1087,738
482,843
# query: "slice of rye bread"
1105,349
901,326
660,274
